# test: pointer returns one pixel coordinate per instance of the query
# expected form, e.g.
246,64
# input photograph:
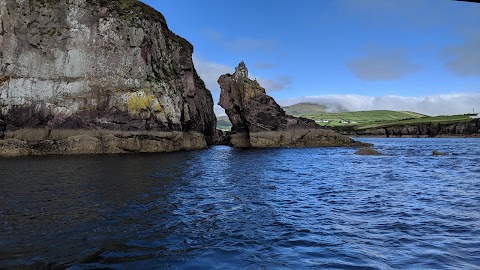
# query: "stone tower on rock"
258,121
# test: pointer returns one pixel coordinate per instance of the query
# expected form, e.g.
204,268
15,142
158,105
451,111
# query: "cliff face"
250,109
258,121
96,64
461,129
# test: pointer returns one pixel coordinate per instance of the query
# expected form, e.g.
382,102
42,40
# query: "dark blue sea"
225,208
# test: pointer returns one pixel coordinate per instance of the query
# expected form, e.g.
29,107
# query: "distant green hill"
305,108
223,123
443,119
360,119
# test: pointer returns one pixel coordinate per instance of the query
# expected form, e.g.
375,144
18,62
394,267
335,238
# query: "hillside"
308,108
223,123
304,108
359,117
339,119
380,122
444,119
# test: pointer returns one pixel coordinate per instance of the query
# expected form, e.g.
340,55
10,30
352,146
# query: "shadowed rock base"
295,138
58,142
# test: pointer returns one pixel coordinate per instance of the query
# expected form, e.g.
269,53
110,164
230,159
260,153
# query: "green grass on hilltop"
360,117
305,108
444,119
223,123
365,119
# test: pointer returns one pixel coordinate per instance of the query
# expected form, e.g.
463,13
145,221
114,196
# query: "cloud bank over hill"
437,104
442,104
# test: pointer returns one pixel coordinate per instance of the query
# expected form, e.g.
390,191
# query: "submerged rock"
98,65
367,151
258,121
438,153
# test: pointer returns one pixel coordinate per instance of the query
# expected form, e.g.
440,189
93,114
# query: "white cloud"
211,71
464,60
442,104
382,65
219,111
277,84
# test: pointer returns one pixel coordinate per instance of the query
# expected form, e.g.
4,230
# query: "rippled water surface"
225,208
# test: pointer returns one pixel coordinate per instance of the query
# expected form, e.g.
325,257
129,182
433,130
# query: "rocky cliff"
258,121
459,129
98,65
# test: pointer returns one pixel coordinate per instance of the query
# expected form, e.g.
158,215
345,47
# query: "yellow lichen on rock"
140,100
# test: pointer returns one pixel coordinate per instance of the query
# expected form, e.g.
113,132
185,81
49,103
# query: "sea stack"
258,121
95,76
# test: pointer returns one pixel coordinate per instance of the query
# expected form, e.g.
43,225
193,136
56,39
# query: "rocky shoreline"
33,142
469,129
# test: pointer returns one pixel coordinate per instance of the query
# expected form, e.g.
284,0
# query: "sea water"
226,208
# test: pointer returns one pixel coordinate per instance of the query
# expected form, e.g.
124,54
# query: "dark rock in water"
459,128
367,151
438,153
98,65
258,121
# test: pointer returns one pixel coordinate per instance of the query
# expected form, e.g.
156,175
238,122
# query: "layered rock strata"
258,121
98,65
74,141
421,130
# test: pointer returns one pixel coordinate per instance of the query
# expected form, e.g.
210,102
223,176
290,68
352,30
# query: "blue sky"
421,55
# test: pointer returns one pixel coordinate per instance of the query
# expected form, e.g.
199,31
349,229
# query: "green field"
423,120
360,119
305,108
